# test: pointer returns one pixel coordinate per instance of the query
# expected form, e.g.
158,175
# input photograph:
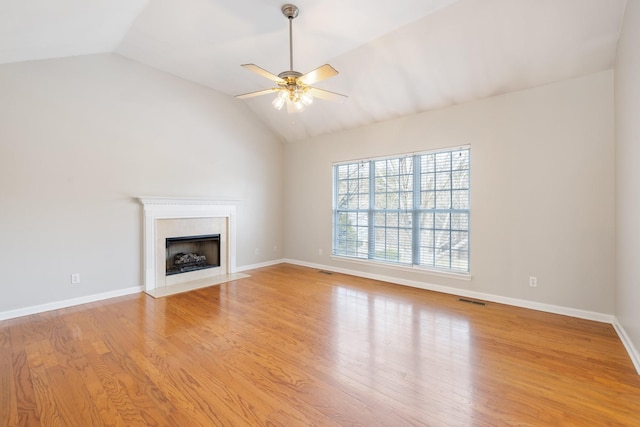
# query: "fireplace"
166,218
192,253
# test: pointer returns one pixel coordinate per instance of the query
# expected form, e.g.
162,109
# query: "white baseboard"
549,308
4,315
628,345
10,314
260,265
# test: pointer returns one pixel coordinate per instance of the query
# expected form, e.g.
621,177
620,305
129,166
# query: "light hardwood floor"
291,346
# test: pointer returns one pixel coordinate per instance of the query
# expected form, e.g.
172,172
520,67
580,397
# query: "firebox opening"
191,253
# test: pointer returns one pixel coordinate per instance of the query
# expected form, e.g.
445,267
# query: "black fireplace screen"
190,253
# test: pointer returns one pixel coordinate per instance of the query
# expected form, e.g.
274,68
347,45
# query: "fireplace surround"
173,218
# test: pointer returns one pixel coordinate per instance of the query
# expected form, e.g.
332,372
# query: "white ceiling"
394,57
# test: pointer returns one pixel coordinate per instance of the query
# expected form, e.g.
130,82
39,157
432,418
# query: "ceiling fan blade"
327,95
262,72
320,73
257,93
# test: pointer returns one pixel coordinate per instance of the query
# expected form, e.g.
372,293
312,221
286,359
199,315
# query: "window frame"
355,247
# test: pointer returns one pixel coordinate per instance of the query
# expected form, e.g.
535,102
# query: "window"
408,210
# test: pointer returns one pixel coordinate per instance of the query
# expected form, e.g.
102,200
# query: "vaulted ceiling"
394,57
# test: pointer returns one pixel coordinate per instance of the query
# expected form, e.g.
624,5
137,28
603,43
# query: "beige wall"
81,137
542,180
627,94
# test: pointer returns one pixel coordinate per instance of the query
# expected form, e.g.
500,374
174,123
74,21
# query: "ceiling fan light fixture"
296,96
298,106
306,99
280,100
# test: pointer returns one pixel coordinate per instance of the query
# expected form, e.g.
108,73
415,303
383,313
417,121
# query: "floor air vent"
470,301
325,272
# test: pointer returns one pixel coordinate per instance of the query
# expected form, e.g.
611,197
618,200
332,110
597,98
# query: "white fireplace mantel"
159,208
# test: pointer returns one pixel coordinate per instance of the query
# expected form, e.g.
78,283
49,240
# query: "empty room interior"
410,212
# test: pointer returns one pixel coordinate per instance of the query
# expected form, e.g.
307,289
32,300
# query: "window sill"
406,268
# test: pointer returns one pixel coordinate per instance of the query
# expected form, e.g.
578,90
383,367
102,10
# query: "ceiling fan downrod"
291,12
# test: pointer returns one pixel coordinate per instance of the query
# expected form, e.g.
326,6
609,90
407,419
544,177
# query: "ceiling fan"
294,88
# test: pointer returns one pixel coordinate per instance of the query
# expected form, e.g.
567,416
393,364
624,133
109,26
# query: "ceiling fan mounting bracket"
290,11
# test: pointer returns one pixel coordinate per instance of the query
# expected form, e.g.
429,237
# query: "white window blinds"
411,210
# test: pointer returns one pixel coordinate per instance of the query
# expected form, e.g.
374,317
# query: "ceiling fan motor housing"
286,75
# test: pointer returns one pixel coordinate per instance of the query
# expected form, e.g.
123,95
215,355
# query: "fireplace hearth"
191,253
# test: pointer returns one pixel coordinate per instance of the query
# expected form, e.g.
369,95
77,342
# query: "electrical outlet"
275,249
257,251
319,251
533,281
75,278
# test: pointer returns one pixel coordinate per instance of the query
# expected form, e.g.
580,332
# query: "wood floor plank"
27,411
290,346
8,390
48,413
116,393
